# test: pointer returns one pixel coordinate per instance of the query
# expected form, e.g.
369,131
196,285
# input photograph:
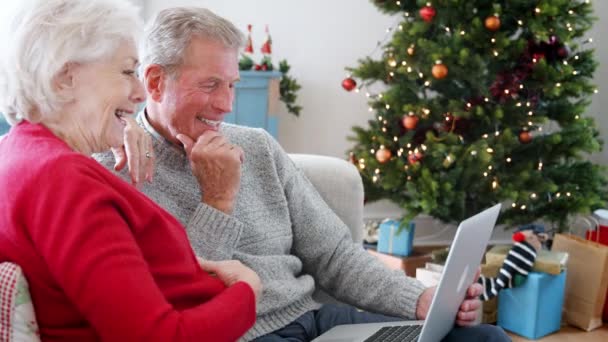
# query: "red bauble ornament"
538,56
525,137
349,84
563,52
383,155
409,121
492,23
439,71
352,158
427,13
414,158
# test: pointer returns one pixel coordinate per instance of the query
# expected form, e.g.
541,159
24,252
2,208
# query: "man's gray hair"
167,37
44,36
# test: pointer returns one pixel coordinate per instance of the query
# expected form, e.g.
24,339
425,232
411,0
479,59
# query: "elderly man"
241,197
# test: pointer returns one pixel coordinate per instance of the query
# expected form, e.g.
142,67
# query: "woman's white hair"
45,35
167,37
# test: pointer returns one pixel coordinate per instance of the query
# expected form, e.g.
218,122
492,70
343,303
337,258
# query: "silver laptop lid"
465,255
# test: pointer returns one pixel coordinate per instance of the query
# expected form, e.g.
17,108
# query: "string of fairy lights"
529,130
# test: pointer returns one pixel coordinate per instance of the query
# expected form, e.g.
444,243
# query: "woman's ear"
154,81
64,82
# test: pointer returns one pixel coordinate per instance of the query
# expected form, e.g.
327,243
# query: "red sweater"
102,260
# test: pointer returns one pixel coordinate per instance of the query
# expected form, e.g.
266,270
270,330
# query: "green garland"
288,89
288,86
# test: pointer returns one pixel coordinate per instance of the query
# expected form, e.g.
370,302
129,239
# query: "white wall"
599,106
319,38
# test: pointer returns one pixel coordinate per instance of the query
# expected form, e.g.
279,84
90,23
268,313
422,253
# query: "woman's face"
104,92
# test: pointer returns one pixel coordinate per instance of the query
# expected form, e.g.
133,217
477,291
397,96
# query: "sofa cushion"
17,318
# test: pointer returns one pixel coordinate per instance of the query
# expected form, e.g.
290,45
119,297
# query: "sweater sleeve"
213,234
91,252
342,268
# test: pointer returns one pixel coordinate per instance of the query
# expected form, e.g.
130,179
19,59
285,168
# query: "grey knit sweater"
281,228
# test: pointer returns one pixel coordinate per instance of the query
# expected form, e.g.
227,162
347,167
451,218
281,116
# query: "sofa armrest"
339,184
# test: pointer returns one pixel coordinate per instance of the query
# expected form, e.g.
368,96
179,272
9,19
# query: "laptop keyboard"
396,334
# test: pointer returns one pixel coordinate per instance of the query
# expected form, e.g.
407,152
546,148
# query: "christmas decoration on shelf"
474,103
249,46
267,46
288,89
288,86
349,84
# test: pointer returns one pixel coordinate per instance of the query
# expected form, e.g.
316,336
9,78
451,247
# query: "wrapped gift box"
551,262
533,309
430,274
599,235
393,241
418,258
490,307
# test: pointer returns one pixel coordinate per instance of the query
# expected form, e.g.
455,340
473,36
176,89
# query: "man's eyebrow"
217,79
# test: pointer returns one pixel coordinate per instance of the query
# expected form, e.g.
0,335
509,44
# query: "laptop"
460,268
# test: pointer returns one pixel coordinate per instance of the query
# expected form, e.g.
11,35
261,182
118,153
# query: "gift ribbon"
390,239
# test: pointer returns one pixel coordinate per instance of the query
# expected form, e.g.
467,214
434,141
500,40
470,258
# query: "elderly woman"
102,260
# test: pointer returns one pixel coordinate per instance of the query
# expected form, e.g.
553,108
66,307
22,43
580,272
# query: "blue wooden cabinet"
256,101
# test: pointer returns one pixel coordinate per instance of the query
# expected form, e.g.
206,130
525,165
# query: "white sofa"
338,182
340,185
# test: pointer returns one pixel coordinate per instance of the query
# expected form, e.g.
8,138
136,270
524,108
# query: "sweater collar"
163,147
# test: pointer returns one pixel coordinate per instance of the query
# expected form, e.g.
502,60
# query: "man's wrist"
223,205
424,303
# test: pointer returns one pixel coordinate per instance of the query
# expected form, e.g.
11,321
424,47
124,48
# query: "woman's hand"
137,153
233,271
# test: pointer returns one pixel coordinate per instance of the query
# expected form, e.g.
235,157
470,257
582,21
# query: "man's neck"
152,114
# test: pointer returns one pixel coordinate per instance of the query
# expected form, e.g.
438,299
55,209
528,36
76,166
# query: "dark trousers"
314,323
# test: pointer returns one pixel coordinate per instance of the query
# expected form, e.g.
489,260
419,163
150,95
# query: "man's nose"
224,99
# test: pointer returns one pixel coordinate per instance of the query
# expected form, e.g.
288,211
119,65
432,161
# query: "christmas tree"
483,102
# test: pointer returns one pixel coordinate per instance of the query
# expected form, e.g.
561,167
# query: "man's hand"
467,313
216,164
137,152
232,271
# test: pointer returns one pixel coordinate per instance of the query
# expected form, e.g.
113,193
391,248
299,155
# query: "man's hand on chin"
216,164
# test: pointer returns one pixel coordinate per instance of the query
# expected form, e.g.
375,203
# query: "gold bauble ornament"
492,23
383,155
439,71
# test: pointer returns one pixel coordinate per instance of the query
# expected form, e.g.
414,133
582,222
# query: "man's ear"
154,81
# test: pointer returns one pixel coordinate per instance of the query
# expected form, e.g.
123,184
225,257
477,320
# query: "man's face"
201,93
